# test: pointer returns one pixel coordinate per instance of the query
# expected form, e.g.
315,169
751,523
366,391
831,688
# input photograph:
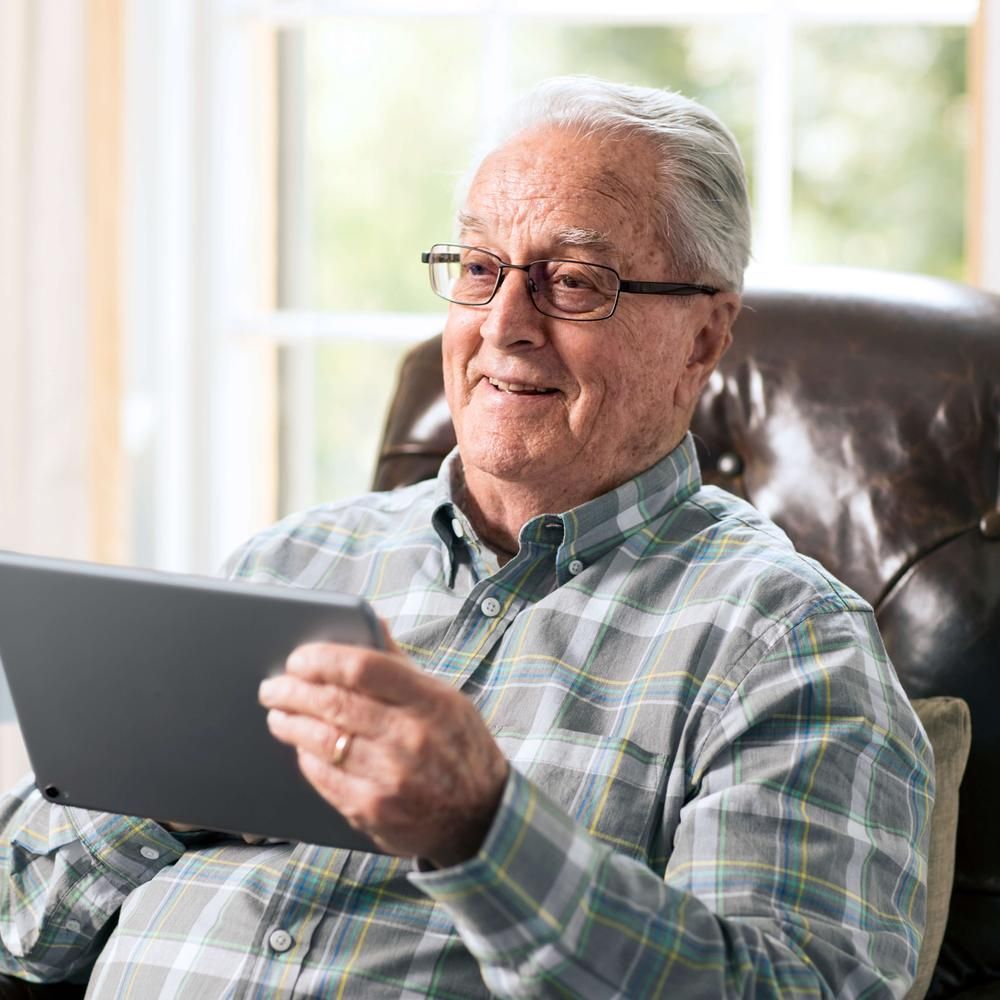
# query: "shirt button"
280,940
149,853
490,607
576,566
456,527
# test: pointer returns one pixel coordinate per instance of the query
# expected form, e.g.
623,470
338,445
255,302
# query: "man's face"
617,393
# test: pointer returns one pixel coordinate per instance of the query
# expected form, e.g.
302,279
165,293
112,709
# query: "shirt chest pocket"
611,786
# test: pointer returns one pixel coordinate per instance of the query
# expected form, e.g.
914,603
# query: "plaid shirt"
718,786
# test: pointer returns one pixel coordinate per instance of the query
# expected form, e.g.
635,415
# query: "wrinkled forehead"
552,190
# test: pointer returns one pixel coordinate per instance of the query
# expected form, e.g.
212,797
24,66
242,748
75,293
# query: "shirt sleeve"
798,866
64,873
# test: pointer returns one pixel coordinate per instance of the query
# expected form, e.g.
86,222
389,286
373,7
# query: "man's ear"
710,342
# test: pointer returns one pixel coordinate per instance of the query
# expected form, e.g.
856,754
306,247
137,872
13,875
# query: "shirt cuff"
131,849
527,882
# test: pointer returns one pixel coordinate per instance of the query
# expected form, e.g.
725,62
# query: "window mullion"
297,399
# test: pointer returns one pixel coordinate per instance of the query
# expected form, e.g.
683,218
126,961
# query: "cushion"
948,727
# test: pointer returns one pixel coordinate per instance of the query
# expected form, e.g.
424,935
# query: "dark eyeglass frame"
626,285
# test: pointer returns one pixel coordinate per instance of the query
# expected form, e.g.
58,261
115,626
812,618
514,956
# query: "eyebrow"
575,237
473,223
589,239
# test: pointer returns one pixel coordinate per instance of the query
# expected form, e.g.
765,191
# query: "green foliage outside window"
881,136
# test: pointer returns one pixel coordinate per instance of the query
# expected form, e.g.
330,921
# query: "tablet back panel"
136,693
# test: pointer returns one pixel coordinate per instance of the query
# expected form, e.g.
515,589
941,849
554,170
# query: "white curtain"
43,331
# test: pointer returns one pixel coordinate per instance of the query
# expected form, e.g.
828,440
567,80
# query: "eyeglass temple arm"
666,288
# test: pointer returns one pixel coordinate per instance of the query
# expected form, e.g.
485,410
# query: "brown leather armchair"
861,411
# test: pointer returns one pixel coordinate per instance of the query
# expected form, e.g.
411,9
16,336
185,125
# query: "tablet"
136,693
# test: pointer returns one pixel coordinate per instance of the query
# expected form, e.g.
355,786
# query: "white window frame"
192,264
192,301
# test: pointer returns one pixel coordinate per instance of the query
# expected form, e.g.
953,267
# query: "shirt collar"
452,525
589,530
597,526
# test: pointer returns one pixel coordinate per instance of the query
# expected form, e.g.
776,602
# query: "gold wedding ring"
341,749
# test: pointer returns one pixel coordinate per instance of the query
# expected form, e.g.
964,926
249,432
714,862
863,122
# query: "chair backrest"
859,410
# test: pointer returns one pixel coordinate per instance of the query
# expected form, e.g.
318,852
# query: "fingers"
349,794
394,819
373,755
316,737
335,706
178,827
385,675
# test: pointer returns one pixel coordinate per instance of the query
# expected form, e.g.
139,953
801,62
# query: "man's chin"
504,466
504,460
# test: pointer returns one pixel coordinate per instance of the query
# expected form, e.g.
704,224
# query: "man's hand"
404,757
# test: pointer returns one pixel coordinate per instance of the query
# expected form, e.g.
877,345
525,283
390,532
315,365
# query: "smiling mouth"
517,388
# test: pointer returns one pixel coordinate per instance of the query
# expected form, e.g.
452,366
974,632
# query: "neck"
498,509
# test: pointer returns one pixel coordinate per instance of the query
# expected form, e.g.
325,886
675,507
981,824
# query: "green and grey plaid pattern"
719,788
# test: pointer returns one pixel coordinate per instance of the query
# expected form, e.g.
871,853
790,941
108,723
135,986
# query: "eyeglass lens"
568,288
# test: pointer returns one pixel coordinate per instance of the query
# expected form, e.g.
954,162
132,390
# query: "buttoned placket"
287,925
494,601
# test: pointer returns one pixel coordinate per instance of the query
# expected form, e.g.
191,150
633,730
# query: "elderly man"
626,741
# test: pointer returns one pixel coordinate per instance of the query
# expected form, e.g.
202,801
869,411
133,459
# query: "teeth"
515,386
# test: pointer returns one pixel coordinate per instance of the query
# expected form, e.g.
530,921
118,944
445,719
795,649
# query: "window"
350,125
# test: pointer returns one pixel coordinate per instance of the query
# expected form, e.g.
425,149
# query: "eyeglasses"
563,289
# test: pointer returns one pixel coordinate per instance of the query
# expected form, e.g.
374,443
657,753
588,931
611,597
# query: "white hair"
703,208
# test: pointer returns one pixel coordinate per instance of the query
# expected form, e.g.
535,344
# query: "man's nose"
512,318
